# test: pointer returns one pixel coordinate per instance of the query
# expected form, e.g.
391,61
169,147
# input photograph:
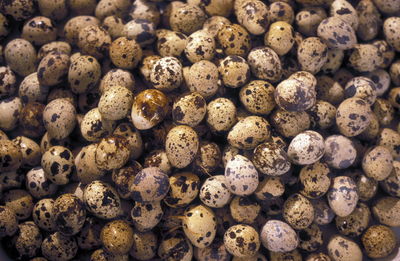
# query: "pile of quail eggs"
208,130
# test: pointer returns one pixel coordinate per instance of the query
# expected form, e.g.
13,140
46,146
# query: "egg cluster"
208,130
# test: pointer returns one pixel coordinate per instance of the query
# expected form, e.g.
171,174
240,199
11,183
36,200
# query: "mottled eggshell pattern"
144,245
314,180
28,239
200,46
203,78
59,117
69,214
175,246
59,247
390,27
258,97
361,87
311,238
94,40
242,241
53,68
39,30
140,30
345,11
392,183
187,18
306,148
265,64
20,56
234,70
125,53
244,210
295,95
298,211
181,145
145,216
221,114
214,192
312,54
189,109
278,236
386,211
166,74
112,152
10,108
343,196
249,132
150,184
241,176
353,116
8,222
354,224
149,108
280,37
340,152
199,225
269,158
341,248
84,73
116,237
20,201
43,214
115,103
253,15
94,126
234,40
379,241
38,185
102,200
336,33
377,163
10,155
184,189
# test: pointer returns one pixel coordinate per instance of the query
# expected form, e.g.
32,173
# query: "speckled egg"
258,97
102,200
234,70
39,30
340,152
145,216
234,40
242,240
221,114
269,187
56,10
379,241
115,103
181,145
20,201
298,211
336,33
354,224
53,68
11,109
361,87
214,192
19,9
295,95
390,27
28,239
140,30
84,73
265,64
200,46
280,37
392,183
59,247
144,245
187,18
69,214
278,236
308,19
353,116
189,109
171,43
74,25
253,15
323,214
123,178
38,185
112,152
159,159
85,164
149,108
20,56
215,23
314,180
43,214
166,74
8,222
244,210
369,20
367,187
31,91
365,57
125,53
59,117
270,159
312,54
203,78
289,123
249,132
150,184
174,247
116,237
94,126
377,163
10,155
241,176
94,40
306,148
311,238
343,196
329,90
341,248
114,26
386,211
184,189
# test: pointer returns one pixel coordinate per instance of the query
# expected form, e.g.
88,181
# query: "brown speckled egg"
386,210
221,114
203,78
94,40
184,189
181,145
298,211
10,155
102,200
30,150
19,9
253,15
265,64
306,148
392,183
215,23
8,221
244,210
290,123
214,192
38,185
166,74
20,56
115,103
269,187
390,139
150,184
53,68
379,241
117,77
329,90
234,40
249,132
56,10
350,15
200,46
242,240
125,53
145,216
323,213
123,178
280,37
241,176
311,238
144,245
340,152
85,164
353,116
295,95
343,196
187,18
314,180
336,33
39,30
112,152
278,236
84,73
354,224
59,117
312,54
322,114
341,248
43,214
270,159
20,201
116,237
365,57
189,109
258,97
89,236
208,158
390,29
377,163
361,87
69,214
28,239
76,24
308,19
94,126
367,187
159,159
234,70
31,120
7,86
175,246
171,43
59,247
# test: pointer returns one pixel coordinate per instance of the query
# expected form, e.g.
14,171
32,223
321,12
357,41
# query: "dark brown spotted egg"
314,180
336,33
8,222
38,185
390,26
159,159
242,240
116,237
311,238
112,152
270,159
353,116
189,109
11,109
181,145
345,11
200,46
365,57
184,189
115,103
175,246
117,77
43,214
234,70
85,165
203,77
59,117
31,90
269,187
89,236
94,40
343,196
379,241
308,19
187,18
322,114
102,200
166,74
106,7
123,178
214,192
31,120
140,30
234,40
114,26
306,148
28,239
312,54
216,251
69,214
290,123
244,210
59,247
53,68
208,158
254,16
392,183
171,43
125,53
39,30
241,176
20,56
323,214
265,64
295,95
340,152
249,132
221,114
215,23
84,73
94,127
199,225
343,248
278,236
280,37
150,184
10,155
145,216
58,164
369,20
144,245
20,201
377,163
257,97
354,224
298,211
8,84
